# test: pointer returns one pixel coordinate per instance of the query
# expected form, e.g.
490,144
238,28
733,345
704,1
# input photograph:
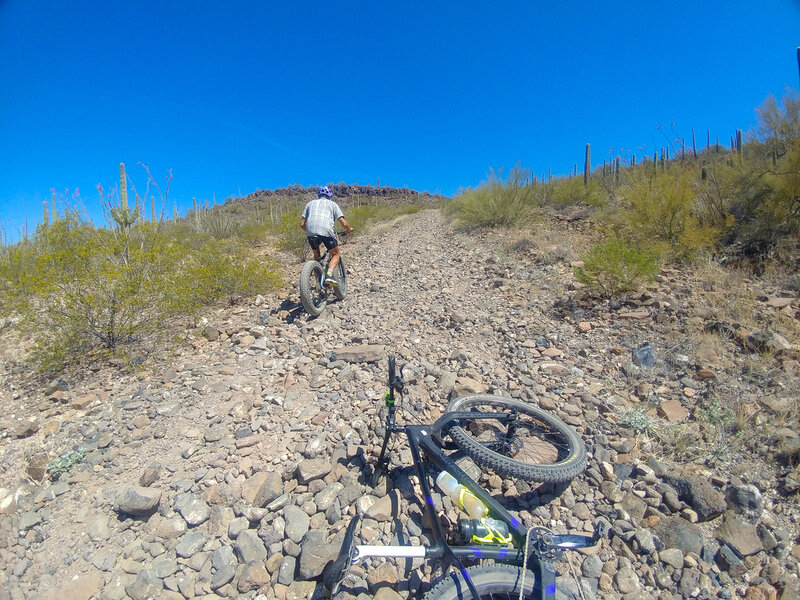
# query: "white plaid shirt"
320,215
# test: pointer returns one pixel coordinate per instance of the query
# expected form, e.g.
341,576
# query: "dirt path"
232,469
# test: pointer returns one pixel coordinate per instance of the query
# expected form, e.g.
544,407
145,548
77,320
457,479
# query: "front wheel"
312,293
534,446
491,581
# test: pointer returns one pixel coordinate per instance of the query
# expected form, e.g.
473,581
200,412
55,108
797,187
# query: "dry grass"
549,244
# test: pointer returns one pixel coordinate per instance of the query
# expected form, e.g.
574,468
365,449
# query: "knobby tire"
544,448
312,294
491,581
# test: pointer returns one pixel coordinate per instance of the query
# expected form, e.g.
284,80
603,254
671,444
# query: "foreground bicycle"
313,291
511,437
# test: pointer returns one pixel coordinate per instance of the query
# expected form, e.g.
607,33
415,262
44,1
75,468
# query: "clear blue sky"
236,96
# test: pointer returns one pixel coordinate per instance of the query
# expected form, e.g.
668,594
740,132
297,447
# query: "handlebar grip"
391,369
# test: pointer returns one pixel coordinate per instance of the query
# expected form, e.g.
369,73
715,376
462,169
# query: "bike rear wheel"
340,274
540,447
313,294
491,581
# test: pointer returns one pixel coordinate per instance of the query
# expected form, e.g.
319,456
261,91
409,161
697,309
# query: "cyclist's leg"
313,241
334,259
333,249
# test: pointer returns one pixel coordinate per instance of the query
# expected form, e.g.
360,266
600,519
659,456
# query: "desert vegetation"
82,292
739,205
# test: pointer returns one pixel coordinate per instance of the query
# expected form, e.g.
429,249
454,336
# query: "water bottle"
461,496
485,531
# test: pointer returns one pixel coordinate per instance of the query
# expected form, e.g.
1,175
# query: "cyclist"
318,219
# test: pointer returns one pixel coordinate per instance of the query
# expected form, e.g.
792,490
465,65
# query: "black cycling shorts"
315,240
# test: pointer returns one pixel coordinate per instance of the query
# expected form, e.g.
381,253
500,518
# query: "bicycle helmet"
324,191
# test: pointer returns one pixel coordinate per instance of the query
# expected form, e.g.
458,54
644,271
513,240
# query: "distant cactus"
45,214
587,165
122,216
55,209
152,209
123,188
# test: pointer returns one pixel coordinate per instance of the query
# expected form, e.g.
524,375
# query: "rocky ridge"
232,469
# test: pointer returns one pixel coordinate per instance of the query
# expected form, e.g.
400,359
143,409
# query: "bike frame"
544,547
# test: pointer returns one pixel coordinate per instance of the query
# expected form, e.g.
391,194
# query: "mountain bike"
511,437
313,291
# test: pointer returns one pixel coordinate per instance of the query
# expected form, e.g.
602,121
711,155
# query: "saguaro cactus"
123,188
587,166
45,214
55,209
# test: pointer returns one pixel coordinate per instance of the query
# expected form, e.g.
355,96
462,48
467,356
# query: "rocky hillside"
345,194
231,468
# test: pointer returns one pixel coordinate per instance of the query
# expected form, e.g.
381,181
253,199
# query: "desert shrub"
494,203
636,420
79,290
660,208
214,223
614,267
570,190
217,269
290,237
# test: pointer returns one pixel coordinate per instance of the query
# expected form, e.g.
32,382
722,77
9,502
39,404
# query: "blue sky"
237,96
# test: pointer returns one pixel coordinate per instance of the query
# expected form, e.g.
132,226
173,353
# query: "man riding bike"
318,219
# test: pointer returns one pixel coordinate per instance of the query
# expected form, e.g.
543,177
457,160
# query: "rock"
98,528
644,356
297,523
699,494
592,566
84,402
728,561
672,557
363,353
81,588
383,575
677,532
249,547
138,500
8,503
315,554
150,475
36,467
739,535
673,410
146,586
253,576
745,499
381,510
626,580
312,468
192,508
190,544
286,572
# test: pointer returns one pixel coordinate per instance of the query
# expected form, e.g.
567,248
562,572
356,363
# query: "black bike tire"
311,269
568,466
491,581
340,273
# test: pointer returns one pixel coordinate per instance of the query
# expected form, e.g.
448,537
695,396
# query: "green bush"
290,237
79,290
613,267
570,190
494,203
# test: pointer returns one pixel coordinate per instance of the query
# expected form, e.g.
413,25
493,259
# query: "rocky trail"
231,468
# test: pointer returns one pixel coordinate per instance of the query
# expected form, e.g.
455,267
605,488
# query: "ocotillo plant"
55,209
